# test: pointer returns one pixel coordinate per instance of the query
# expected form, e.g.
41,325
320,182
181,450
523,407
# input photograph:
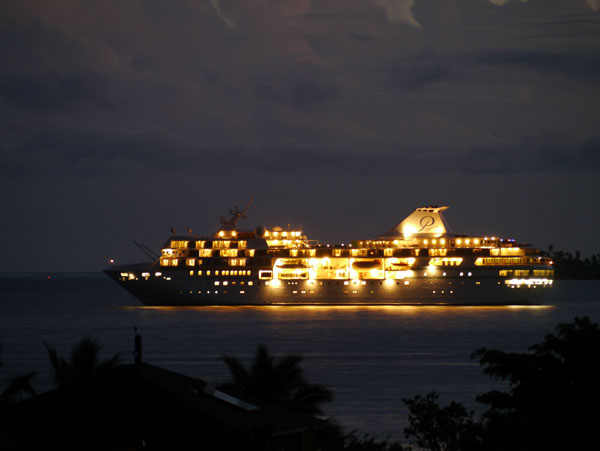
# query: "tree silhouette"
435,428
553,391
280,382
84,362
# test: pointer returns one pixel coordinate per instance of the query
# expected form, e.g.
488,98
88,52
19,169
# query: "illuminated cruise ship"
418,261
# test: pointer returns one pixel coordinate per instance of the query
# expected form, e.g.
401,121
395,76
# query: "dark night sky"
121,119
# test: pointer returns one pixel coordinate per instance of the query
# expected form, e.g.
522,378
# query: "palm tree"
84,362
279,382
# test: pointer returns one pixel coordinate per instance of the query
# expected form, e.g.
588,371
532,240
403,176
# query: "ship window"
199,273
241,245
388,252
192,273
200,244
208,272
174,262
337,252
250,253
205,252
217,272
191,261
265,274
251,283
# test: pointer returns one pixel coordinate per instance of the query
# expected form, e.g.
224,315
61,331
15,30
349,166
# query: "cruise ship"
417,262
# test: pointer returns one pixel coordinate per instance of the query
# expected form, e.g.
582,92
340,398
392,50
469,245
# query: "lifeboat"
366,264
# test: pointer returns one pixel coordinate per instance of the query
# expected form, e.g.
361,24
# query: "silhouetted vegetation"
572,266
84,362
435,428
280,382
553,392
549,402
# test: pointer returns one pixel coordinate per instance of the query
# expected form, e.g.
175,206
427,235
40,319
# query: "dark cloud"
577,64
341,96
529,157
303,86
416,73
54,90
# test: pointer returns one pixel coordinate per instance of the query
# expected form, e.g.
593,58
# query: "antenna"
236,215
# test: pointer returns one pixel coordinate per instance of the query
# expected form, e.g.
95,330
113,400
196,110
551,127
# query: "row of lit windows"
446,261
487,241
526,272
507,251
233,282
224,272
504,261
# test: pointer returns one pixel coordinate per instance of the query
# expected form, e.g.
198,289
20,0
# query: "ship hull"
175,289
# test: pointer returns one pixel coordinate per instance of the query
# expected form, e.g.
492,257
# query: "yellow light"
275,283
459,241
389,282
221,233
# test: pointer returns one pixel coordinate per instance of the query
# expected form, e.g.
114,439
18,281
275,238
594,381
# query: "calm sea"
371,357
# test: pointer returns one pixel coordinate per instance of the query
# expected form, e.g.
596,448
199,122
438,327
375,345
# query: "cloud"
503,2
584,64
399,11
418,72
216,4
539,155
594,4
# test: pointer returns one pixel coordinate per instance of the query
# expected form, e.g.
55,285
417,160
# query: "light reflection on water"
371,356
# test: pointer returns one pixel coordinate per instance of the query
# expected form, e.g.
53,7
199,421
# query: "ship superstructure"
418,261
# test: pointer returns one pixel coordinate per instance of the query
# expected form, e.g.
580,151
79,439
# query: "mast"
236,215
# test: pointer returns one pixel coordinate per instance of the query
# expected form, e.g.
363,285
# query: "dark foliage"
569,266
84,362
279,382
368,443
553,392
435,428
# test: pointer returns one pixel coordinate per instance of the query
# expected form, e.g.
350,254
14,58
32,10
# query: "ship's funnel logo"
426,222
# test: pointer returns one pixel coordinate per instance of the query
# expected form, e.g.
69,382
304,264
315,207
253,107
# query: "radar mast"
236,215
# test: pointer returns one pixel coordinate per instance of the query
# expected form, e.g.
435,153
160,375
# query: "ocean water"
371,357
